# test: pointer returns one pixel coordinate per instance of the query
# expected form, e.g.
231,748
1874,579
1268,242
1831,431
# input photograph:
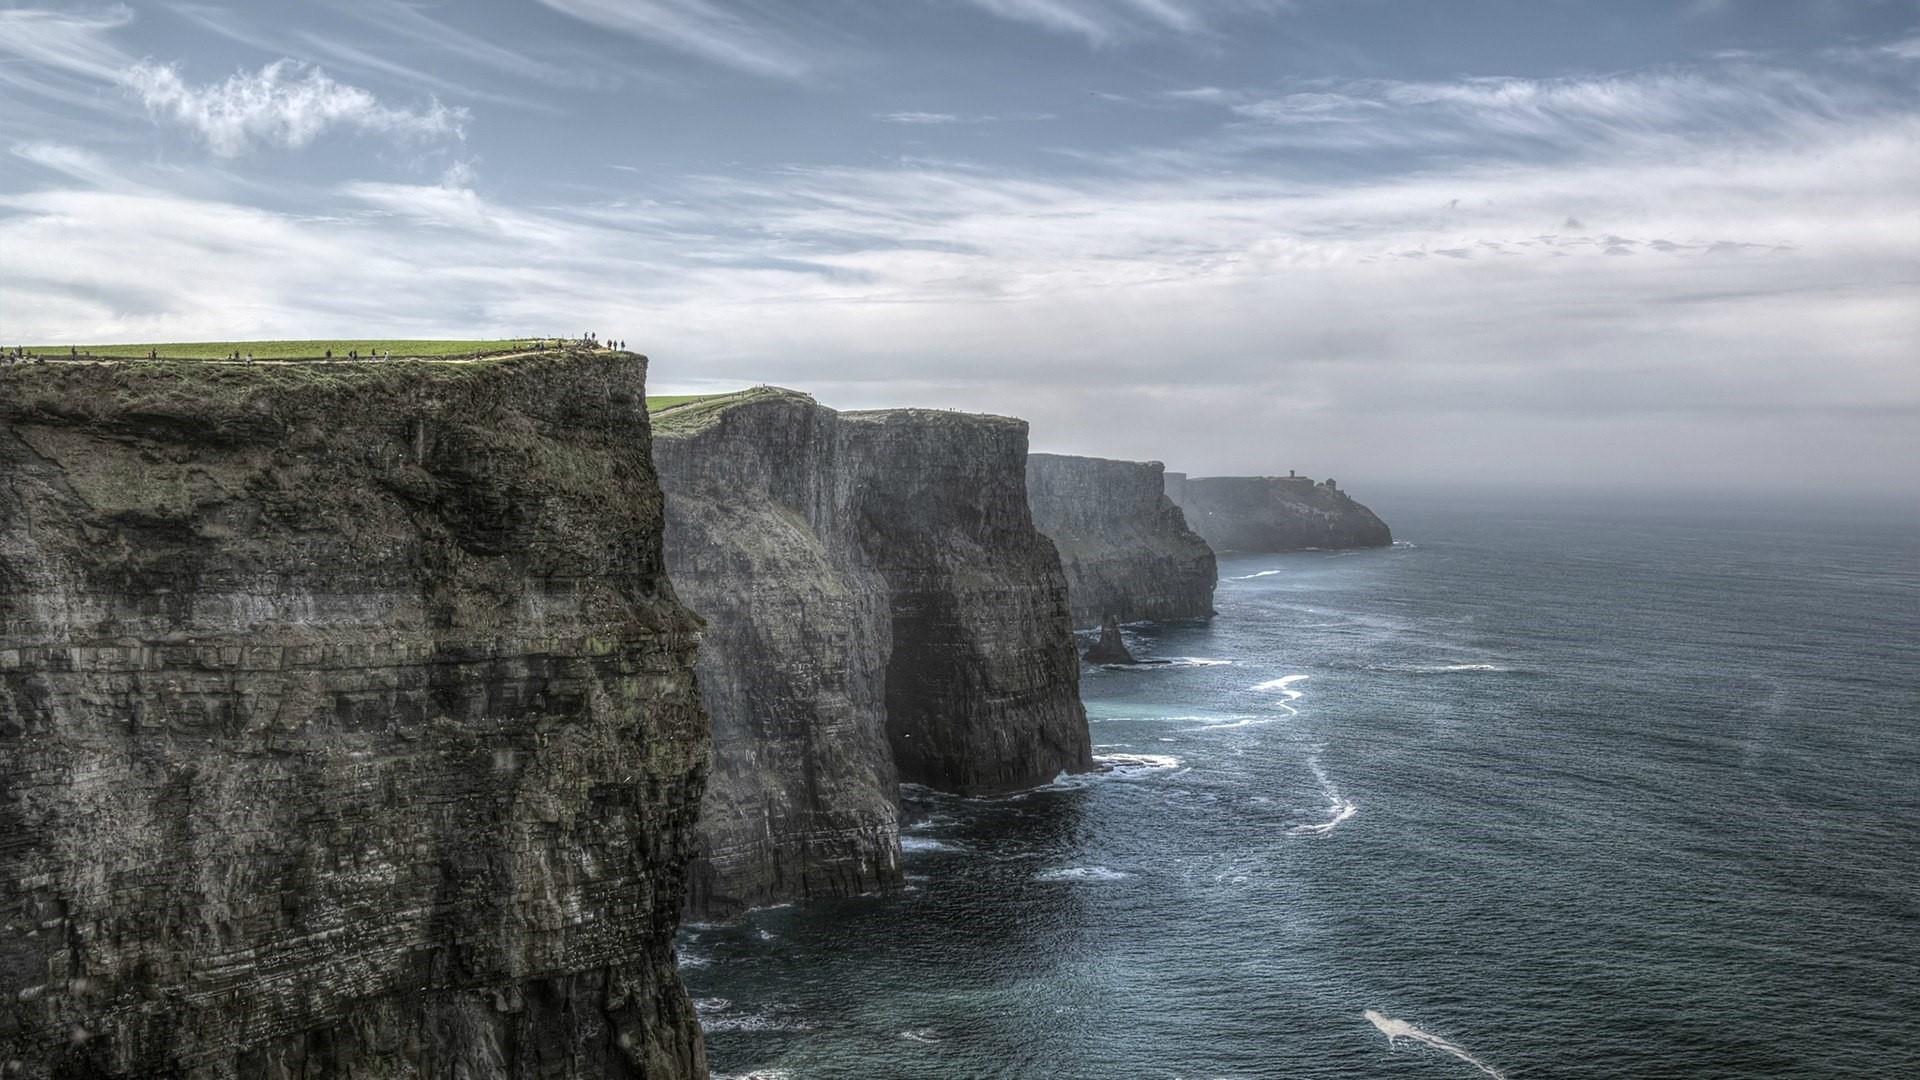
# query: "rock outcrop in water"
1274,513
1111,647
1124,544
348,725
879,609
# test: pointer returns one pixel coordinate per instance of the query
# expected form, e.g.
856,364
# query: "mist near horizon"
1639,246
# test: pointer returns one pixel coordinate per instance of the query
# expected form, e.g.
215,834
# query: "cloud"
931,119
1102,22
702,28
1508,114
67,42
1203,302
283,104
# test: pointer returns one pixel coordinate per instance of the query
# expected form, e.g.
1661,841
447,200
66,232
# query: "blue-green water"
1576,791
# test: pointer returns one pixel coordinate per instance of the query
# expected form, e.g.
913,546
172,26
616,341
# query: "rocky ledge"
1274,513
1126,548
348,724
879,608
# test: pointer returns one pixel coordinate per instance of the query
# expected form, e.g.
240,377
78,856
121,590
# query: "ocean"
1549,788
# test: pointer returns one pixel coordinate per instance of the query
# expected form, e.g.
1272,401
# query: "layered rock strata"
879,608
1125,546
803,797
1274,513
348,724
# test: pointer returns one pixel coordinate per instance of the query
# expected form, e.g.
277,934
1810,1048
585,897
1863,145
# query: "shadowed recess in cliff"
1274,513
1124,545
347,723
879,608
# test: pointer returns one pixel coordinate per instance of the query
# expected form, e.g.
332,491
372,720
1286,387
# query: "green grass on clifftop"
301,350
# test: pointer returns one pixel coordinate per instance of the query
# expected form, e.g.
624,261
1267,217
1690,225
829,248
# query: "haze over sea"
1550,788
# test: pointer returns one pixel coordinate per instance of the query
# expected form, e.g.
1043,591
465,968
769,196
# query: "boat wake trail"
1395,1030
1338,808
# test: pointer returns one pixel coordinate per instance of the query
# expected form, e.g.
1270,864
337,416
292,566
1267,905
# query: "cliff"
1274,513
348,724
983,688
1124,545
879,608
803,797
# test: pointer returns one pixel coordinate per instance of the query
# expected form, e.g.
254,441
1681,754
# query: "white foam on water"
1130,766
717,1014
925,843
1257,574
1195,661
1338,809
1284,684
1082,873
921,1035
1228,725
756,1074
1448,669
1395,1030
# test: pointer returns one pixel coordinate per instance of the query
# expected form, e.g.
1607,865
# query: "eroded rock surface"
803,799
1274,513
1125,546
879,608
348,725
983,688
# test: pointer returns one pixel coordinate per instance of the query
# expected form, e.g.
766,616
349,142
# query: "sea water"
1544,790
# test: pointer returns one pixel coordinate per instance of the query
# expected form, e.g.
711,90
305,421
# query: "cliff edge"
1125,546
1274,513
348,723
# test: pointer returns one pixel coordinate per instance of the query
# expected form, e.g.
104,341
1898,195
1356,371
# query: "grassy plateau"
300,350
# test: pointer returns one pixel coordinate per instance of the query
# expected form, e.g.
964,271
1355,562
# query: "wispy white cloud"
66,41
283,104
1102,22
704,28
931,119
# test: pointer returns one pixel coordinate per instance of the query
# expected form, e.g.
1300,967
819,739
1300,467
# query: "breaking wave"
1257,574
926,843
1395,1030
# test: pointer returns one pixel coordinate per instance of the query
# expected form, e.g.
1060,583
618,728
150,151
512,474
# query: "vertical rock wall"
983,689
803,799
1124,545
879,607
347,724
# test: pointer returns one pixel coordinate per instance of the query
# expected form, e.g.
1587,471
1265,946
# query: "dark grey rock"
1125,546
803,798
348,724
1111,648
1274,513
879,608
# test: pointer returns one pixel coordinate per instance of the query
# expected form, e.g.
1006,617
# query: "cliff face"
983,689
1124,545
1274,513
347,724
879,608
803,799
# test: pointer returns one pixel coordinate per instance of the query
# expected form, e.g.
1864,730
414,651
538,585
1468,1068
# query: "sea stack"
1111,648
348,725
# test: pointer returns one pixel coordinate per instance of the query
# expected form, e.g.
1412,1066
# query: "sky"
1613,245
